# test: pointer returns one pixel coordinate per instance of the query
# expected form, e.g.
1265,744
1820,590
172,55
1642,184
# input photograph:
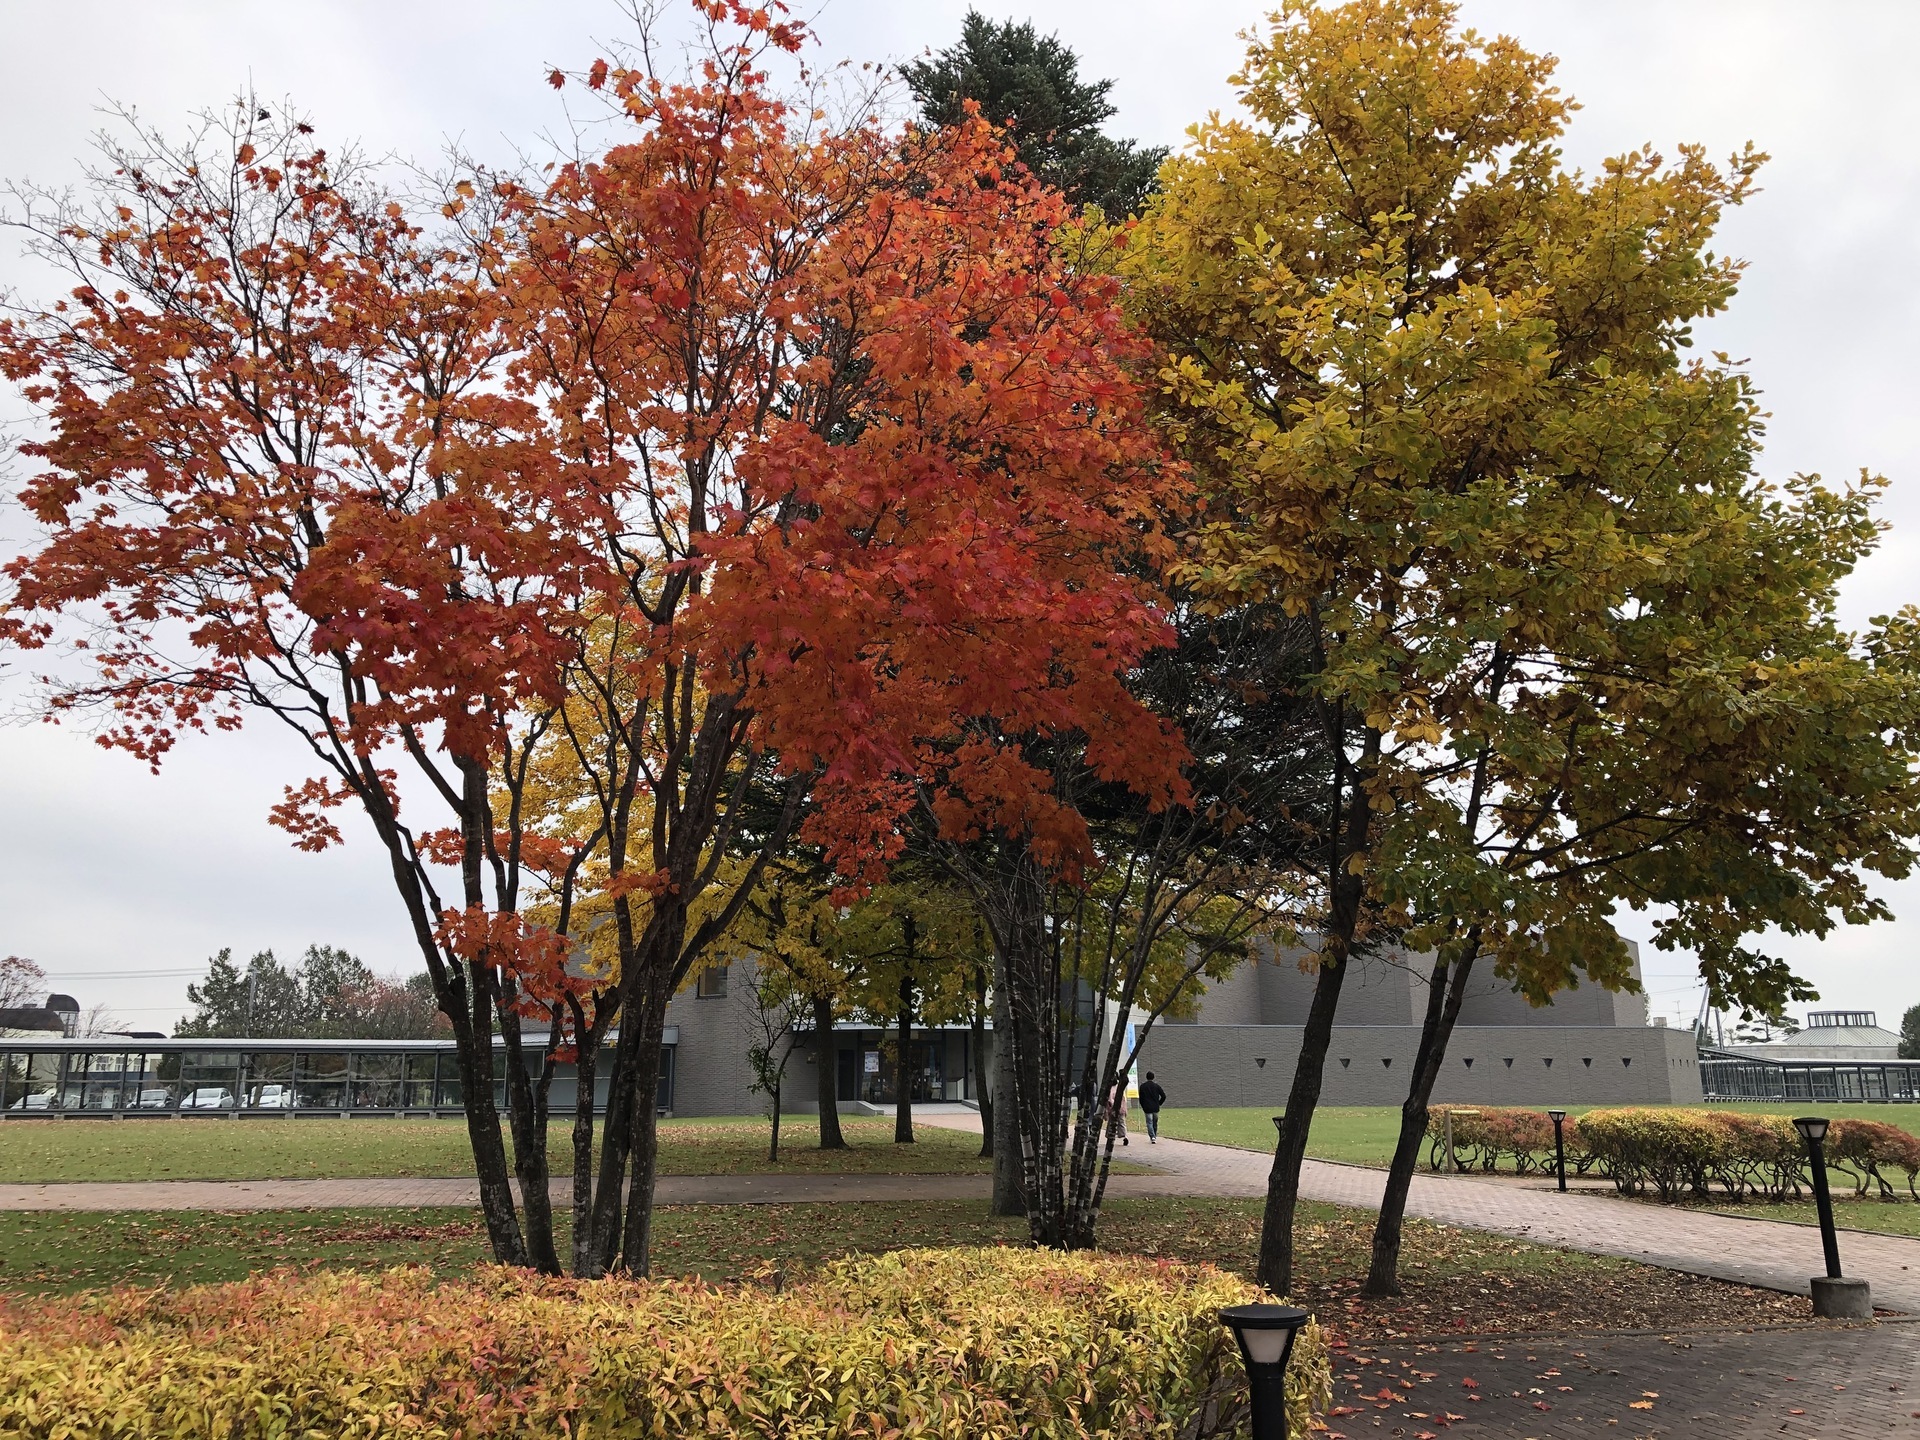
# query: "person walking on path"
1117,1108
1152,1096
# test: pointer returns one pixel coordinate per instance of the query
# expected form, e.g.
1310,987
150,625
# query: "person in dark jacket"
1152,1097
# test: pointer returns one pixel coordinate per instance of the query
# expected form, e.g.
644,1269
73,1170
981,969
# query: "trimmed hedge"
1673,1151
924,1343
1867,1145
1680,1153
1674,1154
1492,1133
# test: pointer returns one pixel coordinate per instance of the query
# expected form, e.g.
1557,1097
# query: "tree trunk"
1350,830
463,996
826,1060
1290,1149
1009,1195
527,1110
636,1245
489,1151
982,1092
1038,1091
903,1060
773,1145
633,1092
585,1264
1445,991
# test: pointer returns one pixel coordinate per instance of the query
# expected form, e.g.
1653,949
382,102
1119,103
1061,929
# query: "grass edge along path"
1458,1281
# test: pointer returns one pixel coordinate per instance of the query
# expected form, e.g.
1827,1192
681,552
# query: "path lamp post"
1559,1118
1266,1334
1834,1296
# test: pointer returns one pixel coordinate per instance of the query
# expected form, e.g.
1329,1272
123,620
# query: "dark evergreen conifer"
1029,84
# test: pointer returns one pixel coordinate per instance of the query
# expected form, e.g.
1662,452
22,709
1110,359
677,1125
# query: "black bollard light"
1559,1118
1834,1297
1813,1130
1266,1334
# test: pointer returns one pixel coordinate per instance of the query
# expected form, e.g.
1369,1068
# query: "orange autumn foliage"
758,451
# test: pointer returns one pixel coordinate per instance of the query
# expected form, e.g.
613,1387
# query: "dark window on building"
712,984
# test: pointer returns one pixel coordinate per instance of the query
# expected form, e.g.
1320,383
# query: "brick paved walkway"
1766,1253
1830,1381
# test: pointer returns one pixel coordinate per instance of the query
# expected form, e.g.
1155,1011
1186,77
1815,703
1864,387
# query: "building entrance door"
868,1073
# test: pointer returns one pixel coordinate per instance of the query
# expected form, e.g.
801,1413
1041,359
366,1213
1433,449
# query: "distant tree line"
327,995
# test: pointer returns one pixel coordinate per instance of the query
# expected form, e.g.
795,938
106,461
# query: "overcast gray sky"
122,884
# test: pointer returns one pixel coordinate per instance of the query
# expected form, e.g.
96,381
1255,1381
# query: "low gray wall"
1220,1065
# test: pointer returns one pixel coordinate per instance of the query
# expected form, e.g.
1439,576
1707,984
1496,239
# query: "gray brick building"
711,1026
1591,1046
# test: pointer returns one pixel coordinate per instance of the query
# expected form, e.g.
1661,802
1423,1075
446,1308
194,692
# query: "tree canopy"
745,450
1574,653
1029,85
326,995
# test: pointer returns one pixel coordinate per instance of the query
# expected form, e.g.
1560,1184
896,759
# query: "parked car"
271,1097
42,1100
160,1099
208,1097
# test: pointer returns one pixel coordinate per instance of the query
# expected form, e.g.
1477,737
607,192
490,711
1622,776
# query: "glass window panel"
13,1070
376,1081
449,1086
209,1079
320,1079
319,1094
39,1086
73,1083
96,1078
421,1069
269,1082
155,1090
127,1068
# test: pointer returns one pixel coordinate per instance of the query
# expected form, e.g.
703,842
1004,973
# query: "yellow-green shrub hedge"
1681,1153
958,1344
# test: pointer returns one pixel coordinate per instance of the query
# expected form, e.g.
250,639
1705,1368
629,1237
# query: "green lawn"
47,1151
1456,1279
1885,1217
1365,1134
1357,1134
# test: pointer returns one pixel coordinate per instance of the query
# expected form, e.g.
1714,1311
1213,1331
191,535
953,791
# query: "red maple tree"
752,456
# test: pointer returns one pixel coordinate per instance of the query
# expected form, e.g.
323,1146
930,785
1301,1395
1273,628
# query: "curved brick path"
1766,1253
1754,1252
